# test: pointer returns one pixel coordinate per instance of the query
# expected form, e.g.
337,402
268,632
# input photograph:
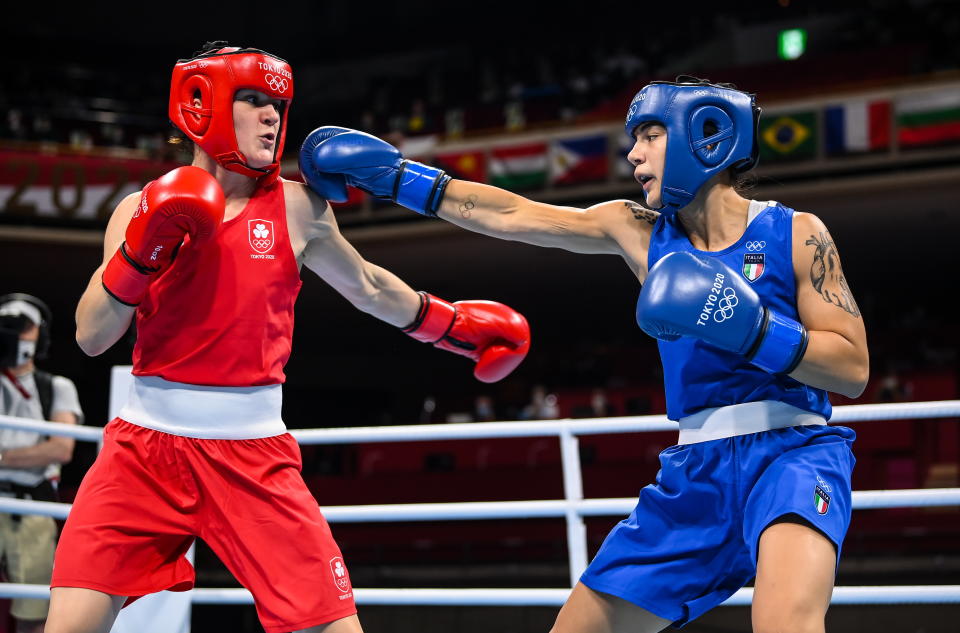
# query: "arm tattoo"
467,206
640,213
827,276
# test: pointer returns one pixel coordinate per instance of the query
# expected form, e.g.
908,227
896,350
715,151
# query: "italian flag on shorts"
821,500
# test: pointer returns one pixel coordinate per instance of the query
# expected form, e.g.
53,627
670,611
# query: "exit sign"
792,43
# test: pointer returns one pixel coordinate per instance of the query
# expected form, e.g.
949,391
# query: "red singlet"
222,314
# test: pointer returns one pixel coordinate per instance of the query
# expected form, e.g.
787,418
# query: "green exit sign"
792,43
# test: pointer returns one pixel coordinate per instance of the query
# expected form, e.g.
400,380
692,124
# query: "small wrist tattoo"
467,206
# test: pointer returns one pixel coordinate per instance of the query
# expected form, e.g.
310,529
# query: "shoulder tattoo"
827,275
641,213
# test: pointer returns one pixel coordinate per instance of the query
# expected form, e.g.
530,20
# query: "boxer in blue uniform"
755,322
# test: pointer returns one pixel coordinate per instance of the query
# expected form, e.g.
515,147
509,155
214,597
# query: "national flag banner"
519,166
929,118
463,165
577,160
821,500
623,168
788,136
857,125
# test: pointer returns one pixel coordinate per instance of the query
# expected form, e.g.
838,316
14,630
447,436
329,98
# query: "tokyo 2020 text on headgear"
13,305
710,127
215,77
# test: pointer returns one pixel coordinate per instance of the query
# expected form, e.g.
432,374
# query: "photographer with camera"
29,461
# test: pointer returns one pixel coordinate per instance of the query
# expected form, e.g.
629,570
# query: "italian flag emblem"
821,500
753,265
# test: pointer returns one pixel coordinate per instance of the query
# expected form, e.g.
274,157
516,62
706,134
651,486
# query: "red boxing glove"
185,201
496,336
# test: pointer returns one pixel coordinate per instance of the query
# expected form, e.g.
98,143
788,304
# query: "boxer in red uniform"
207,259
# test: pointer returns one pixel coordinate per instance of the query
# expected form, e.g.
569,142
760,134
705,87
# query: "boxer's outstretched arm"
101,319
836,358
368,287
333,157
500,213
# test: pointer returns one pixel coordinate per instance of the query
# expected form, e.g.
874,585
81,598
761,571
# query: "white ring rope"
474,510
540,428
573,508
905,594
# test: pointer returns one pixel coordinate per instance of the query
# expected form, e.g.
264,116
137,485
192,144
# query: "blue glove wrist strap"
420,187
782,345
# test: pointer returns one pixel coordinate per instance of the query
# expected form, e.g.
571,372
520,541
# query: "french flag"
857,126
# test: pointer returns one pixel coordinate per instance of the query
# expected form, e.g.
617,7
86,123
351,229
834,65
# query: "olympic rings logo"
276,83
726,305
756,246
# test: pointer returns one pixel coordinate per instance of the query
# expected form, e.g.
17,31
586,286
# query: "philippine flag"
576,160
857,126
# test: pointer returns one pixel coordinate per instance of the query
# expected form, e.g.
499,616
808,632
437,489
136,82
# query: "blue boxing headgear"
710,127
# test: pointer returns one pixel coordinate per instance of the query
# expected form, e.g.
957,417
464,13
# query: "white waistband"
742,419
215,413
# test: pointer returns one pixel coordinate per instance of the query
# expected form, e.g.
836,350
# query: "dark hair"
690,79
209,47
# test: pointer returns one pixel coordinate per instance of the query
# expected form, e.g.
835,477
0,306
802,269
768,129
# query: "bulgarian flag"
929,118
519,167
857,126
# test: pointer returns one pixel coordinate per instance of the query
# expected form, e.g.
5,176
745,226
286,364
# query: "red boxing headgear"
217,76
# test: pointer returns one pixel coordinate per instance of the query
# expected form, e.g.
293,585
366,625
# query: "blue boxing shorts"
692,540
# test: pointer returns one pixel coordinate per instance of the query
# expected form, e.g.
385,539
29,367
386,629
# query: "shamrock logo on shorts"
340,577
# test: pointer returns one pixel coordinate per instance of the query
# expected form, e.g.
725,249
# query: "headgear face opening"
215,77
14,308
709,128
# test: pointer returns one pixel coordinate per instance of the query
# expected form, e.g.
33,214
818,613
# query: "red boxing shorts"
149,494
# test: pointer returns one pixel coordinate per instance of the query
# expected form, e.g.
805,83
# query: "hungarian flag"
929,118
519,167
857,126
576,160
463,165
786,137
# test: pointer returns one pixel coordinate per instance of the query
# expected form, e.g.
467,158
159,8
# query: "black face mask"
10,329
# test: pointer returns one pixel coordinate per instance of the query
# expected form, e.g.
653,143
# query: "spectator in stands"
483,409
542,405
891,387
30,462
600,406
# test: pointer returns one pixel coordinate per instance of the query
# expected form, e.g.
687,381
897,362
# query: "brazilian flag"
788,136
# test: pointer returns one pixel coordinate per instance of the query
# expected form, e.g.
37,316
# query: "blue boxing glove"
333,157
333,187
690,295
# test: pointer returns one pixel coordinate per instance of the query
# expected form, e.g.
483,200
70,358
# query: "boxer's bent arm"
836,358
101,319
499,213
368,287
